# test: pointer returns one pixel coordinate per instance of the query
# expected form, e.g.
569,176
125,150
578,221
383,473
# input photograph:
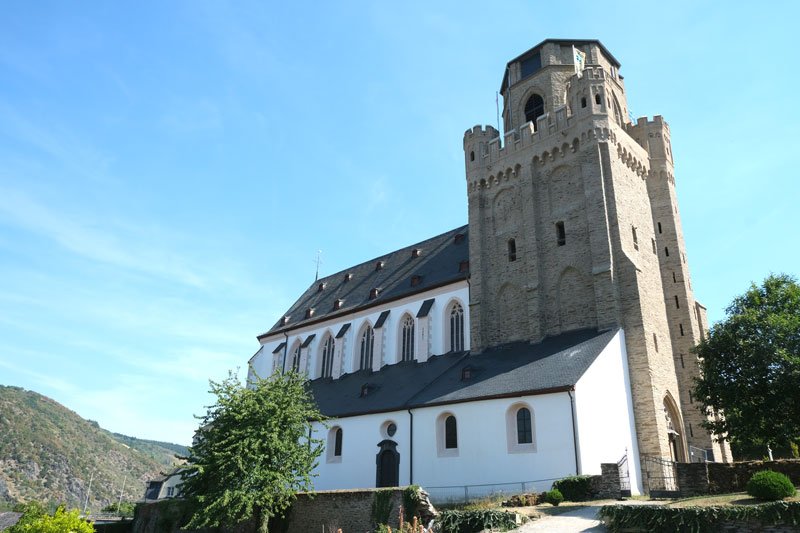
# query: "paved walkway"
583,519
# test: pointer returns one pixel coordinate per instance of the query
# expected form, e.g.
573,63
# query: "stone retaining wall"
715,478
607,485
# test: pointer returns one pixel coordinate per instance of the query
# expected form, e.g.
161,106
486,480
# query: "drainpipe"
574,433
285,351
411,448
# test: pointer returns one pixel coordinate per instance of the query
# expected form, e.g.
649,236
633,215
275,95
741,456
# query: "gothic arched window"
366,348
296,358
534,108
327,358
407,339
337,446
456,327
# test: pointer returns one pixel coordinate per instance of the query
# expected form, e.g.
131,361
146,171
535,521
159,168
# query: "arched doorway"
387,464
675,435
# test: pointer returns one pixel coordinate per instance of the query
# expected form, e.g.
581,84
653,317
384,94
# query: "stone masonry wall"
716,478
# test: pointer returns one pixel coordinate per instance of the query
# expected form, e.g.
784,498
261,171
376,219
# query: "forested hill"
49,453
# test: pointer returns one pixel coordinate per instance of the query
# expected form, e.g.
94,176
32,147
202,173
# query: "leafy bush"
553,497
122,509
411,501
62,521
575,488
658,519
474,521
769,485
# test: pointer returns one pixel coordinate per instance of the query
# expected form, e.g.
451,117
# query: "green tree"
34,521
125,508
253,451
750,366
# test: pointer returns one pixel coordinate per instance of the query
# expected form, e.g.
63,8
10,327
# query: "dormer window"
284,320
366,388
416,280
415,253
337,304
379,265
463,266
458,238
321,287
373,293
466,373
309,312
348,277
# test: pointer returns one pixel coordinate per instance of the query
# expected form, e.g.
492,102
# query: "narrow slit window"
659,227
674,279
337,447
583,102
635,238
450,433
597,99
472,156
680,326
683,364
666,251
512,250
655,341
561,234
654,245
677,302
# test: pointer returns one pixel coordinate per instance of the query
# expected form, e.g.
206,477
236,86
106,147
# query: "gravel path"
582,519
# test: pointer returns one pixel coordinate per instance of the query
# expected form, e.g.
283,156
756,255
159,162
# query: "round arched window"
534,108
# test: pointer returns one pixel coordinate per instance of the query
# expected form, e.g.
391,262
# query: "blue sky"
168,170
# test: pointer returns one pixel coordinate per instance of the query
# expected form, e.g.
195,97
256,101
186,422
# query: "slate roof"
555,364
437,264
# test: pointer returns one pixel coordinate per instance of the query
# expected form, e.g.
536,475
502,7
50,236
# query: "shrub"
61,521
553,497
769,485
574,488
474,521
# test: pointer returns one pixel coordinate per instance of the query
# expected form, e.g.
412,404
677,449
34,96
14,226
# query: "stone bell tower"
563,213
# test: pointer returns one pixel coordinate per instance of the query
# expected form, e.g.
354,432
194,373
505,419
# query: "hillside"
49,453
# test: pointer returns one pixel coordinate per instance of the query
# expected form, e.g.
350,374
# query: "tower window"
635,238
681,329
512,250
472,156
655,341
583,102
674,279
666,251
561,234
534,108
677,302
683,364
597,99
659,227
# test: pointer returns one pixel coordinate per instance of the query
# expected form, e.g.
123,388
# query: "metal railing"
457,494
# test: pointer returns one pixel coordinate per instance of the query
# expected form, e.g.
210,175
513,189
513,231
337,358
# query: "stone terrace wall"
607,485
709,478
350,510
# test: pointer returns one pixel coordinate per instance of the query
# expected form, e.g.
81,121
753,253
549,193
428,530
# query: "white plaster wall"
360,438
604,413
483,456
264,361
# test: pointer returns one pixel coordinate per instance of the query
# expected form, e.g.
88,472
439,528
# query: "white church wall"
484,455
264,361
604,413
360,437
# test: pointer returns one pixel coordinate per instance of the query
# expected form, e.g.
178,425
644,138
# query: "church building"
551,334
